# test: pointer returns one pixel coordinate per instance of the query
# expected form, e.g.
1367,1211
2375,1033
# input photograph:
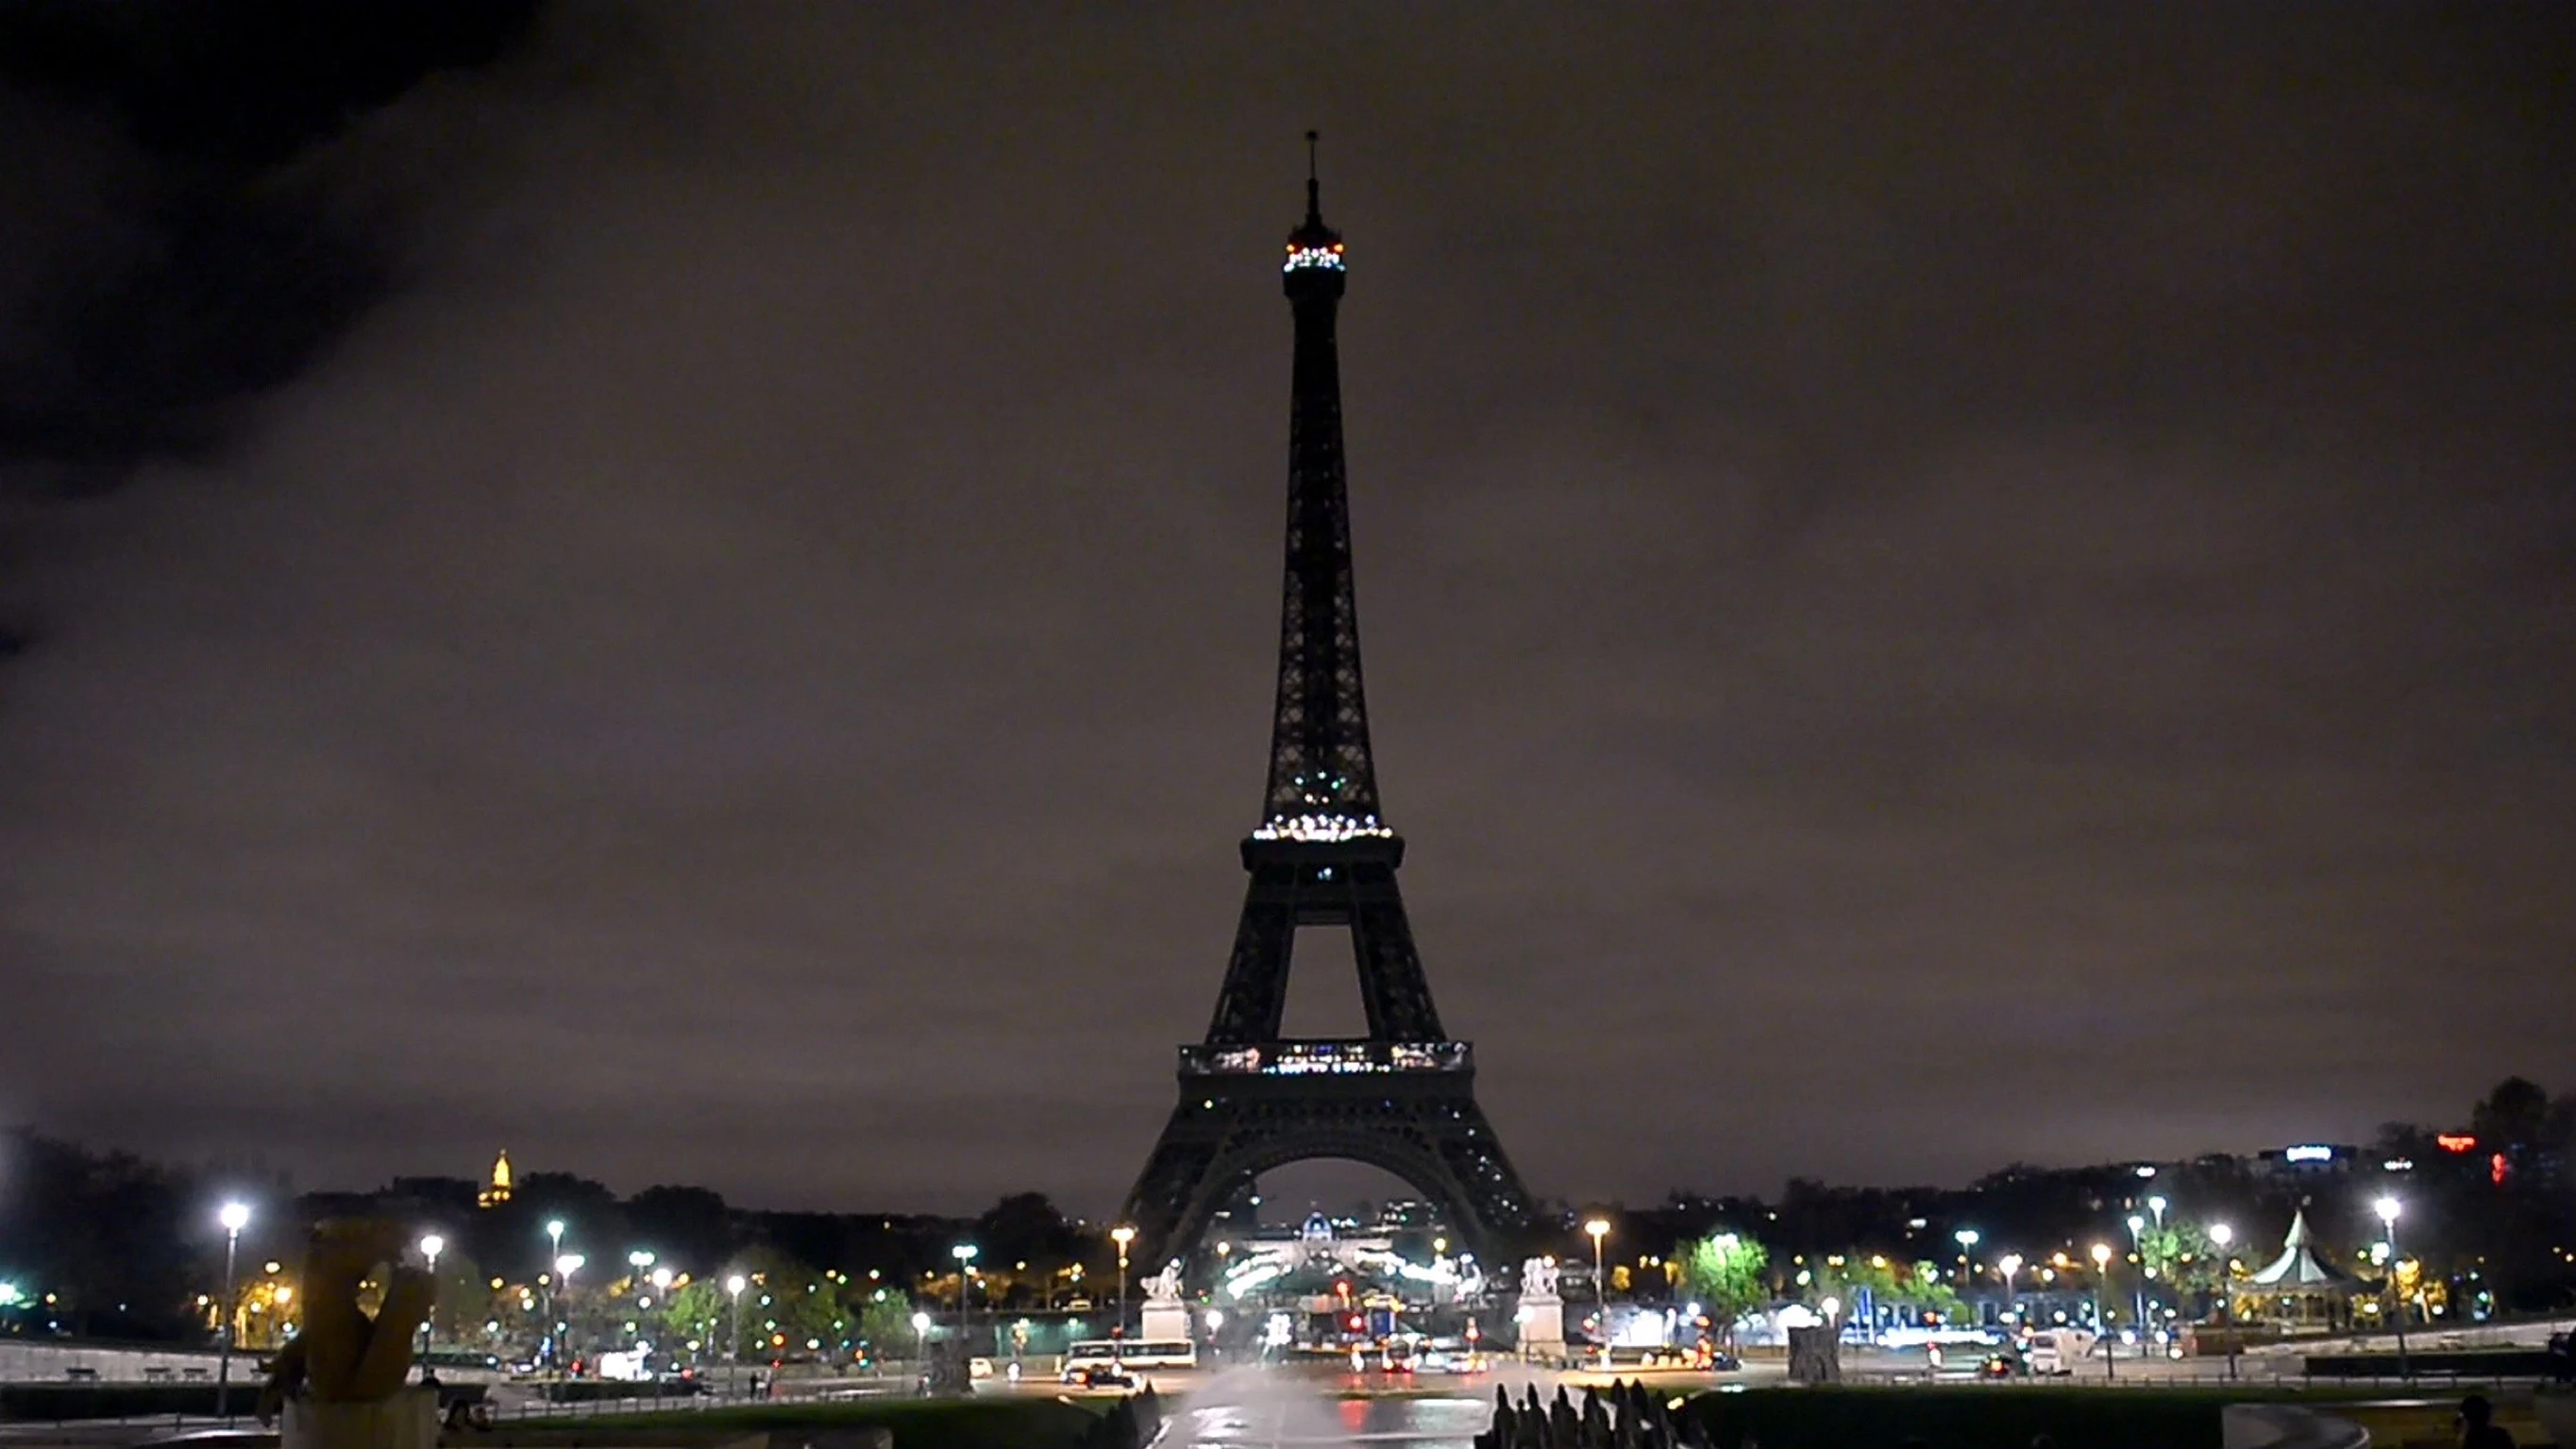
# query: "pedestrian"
2477,1429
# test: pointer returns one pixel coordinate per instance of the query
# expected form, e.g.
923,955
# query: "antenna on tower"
1314,192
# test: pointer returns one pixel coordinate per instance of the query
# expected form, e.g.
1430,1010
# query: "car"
2002,1366
1099,1376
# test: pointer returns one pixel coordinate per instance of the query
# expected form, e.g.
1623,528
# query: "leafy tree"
885,1321
700,1311
1889,1283
1729,1274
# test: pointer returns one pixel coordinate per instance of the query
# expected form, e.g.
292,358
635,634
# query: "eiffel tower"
1403,1097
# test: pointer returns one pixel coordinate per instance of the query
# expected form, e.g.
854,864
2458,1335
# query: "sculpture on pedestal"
340,1384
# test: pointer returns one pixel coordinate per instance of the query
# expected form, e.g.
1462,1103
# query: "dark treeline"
124,1247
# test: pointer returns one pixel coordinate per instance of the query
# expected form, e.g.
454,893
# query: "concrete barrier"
44,1361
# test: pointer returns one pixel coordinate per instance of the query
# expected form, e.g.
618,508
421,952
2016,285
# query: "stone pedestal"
1164,1321
408,1420
1540,1319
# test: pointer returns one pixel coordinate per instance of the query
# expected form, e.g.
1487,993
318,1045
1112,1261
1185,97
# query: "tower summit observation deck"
1401,1098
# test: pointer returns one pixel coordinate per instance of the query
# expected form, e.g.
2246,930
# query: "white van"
2056,1351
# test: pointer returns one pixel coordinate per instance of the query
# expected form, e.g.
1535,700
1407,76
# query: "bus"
1162,1353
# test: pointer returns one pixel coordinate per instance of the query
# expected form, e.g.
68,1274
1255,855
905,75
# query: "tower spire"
1314,188
1323,783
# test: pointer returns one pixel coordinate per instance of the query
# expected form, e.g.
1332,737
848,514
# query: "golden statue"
344,1356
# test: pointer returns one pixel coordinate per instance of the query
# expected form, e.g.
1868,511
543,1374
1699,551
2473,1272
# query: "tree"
689,1227
885,1321
1729,1274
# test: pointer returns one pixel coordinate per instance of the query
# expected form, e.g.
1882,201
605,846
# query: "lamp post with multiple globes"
965,1253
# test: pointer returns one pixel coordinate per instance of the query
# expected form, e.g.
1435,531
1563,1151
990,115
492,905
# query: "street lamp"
2101,1267
2221,1234
565,1266
920,1337
1597,1229
1122,1235
2156,1205
733,1346
2138,1294
2008,1265
554,1250
2387,1208
965,1253
431,1245
234,1216
1967,1239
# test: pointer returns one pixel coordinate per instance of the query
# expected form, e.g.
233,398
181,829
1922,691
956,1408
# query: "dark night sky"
1942,583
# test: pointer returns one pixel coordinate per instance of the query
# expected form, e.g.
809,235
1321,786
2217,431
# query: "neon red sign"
2455,1142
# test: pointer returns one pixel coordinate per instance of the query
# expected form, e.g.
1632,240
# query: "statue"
340,1384
1538,1278
1164,1287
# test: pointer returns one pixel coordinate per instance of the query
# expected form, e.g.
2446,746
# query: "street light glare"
2221,1234
431,1245
554,1227
2101,1255
1122,1235
235,1216
2387,1208
566,1264
735,1284
1598,1227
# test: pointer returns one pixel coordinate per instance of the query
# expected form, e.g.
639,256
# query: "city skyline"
1943,586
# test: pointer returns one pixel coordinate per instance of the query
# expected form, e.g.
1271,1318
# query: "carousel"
2298,1291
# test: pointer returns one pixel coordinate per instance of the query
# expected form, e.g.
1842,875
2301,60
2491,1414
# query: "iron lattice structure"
1403,1097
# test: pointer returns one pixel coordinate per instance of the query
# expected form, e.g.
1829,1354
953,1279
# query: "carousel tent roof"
2297,1269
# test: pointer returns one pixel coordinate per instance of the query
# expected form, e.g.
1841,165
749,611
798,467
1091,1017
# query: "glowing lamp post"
2222,1235
234,1216
965,1253
1122,1235
1967,1240
733,1336
2008,1265
920,1336
431,1245
1598,1229
2101,1269
554,1250
2387,1208
2138,1294
2156,1205
565,1267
